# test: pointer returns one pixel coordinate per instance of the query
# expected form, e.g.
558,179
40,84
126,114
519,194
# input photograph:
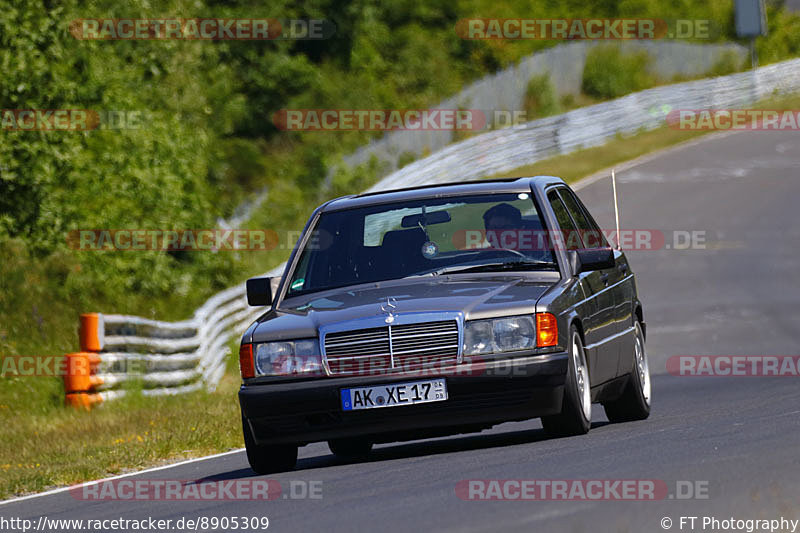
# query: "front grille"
350,352
386,348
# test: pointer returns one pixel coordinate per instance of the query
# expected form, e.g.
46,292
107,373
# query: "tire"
575,417
351,448
634,403
268,459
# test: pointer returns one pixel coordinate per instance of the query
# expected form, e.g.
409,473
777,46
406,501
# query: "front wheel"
634,403
268,459
575,417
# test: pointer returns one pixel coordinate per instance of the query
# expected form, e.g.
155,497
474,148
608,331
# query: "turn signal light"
546,330
246,367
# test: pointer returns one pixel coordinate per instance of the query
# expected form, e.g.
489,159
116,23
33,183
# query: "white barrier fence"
176,357
172,357
507,149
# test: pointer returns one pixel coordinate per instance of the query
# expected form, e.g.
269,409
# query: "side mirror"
260,291
595,259
574,261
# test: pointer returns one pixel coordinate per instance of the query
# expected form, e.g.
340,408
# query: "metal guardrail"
164,357
177,357
507,149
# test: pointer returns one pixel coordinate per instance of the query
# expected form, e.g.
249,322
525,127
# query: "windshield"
489,232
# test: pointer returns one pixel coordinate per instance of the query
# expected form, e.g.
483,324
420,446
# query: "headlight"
499,335
288,357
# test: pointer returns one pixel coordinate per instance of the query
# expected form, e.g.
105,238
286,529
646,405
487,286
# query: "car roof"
442,190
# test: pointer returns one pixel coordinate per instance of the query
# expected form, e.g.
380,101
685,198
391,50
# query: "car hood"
479,297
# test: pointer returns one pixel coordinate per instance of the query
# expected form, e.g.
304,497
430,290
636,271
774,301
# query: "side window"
591,236
571,238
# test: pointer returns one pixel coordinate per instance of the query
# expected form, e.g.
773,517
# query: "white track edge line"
128,474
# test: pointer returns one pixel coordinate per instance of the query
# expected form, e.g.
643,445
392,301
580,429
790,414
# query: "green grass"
62,446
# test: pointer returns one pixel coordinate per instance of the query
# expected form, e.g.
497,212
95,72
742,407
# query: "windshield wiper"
497,267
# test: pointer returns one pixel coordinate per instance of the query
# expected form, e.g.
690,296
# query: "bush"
540,97
347,180
783,36
406,158
610,73
728,63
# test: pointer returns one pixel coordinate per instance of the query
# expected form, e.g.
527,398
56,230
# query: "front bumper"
308,411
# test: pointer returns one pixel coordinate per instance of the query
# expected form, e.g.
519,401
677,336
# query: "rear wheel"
575,417
268,459
350,448
634,403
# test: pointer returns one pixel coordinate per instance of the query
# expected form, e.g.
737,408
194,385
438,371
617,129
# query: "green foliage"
208,140
728,63
150,177
783,36
354,180
541,99
406,158
610,73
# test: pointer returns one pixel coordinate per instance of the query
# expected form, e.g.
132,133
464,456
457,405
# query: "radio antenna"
616,208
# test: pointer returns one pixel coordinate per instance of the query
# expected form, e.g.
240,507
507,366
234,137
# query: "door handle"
604,277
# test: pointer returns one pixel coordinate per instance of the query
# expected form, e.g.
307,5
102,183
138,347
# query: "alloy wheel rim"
581,377
642,366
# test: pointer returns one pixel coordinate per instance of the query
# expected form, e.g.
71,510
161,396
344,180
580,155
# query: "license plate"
394,394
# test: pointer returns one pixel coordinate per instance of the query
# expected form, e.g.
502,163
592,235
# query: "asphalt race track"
740,295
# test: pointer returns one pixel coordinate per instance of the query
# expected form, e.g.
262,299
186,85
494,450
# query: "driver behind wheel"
502,217
503,223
